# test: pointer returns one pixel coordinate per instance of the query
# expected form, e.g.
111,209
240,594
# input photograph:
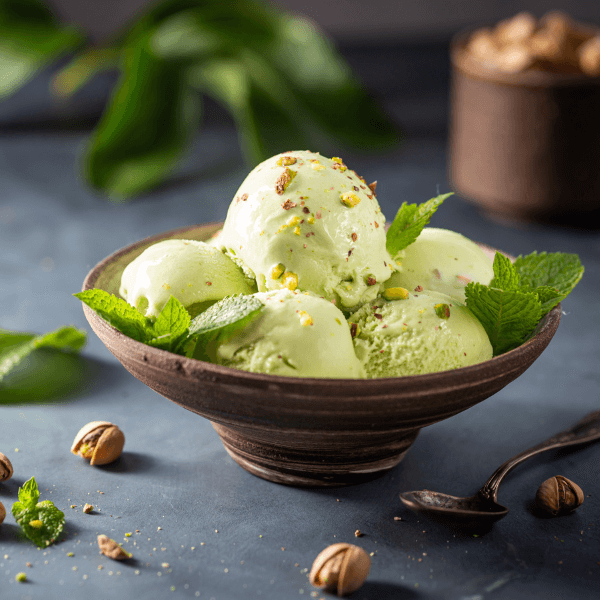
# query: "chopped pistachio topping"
305,319
36,524
284,180
349,199
277,271
286,161
395,293
297,230
316,165
310,220
354,330
290,280
442,310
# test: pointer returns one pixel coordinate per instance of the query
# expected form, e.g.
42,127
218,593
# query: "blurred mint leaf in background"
30,39
278,75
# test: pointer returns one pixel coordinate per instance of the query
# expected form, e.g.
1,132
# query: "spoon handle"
586,430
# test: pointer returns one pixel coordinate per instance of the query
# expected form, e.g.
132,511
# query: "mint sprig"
520,294
168,332
409,222
15,346
41,522
219,322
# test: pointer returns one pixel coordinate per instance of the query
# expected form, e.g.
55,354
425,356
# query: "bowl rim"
361,387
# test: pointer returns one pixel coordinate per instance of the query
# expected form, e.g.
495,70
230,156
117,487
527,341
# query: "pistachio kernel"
111,549
395,293
371,280
277,271
354,330
349,199
305,319
87,509
442,310
284,180
36,524
286,161
289,280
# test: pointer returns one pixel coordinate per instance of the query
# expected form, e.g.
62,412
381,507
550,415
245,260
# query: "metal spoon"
482,507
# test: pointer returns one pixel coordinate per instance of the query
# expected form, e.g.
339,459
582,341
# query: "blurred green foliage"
277,74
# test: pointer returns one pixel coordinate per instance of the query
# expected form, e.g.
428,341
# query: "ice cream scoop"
197,274
304,221
296,334
417,333
444,261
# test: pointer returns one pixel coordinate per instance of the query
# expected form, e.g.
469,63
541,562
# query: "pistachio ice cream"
444,261
301,221
417,333
296,334
197,274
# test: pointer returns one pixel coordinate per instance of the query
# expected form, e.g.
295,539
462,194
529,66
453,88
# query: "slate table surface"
201,526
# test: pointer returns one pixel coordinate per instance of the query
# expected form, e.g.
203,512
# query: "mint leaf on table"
508,316
166,332
551,275
410,221
15,345
41,522
219,322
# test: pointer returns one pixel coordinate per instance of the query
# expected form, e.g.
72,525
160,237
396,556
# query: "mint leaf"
118,313
15,345
219,322
551,275
167,332
41,522
505,274
29,493
171,326
509,317
409,222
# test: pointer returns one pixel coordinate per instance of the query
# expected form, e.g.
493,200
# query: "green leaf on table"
149,123
30,38
410,221
509,317
15,346
219,322
41,522
166,332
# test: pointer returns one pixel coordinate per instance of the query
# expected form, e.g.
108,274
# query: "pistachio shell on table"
6,468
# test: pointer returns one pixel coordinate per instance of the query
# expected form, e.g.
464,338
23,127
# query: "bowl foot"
310,461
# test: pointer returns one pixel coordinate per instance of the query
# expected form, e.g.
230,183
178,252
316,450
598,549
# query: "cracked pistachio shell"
111,549
559,496
340,568
2,513
108,446
6,468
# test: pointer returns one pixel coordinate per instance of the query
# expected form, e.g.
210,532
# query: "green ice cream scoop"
423,333
296,334
197,274
444,261
304,221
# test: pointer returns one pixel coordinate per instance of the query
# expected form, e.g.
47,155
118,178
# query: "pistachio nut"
6,469
111,549
340,568
558,496
100,441
2,513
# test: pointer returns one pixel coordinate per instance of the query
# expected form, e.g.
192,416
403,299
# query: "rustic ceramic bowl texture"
302,431
525,146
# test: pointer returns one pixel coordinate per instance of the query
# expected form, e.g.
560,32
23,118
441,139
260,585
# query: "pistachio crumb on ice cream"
311,218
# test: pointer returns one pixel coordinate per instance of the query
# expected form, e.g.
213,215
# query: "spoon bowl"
483,507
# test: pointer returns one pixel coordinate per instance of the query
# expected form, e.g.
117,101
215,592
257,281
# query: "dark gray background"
175,474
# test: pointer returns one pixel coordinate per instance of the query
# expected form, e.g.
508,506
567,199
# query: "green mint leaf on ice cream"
166,332
220,321
41,522
15,346
409,222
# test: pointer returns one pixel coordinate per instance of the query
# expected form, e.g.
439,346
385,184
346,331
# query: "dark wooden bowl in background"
303,431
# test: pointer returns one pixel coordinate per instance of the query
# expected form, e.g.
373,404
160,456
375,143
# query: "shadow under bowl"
303,431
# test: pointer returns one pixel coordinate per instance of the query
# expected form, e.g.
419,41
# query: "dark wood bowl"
304,431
